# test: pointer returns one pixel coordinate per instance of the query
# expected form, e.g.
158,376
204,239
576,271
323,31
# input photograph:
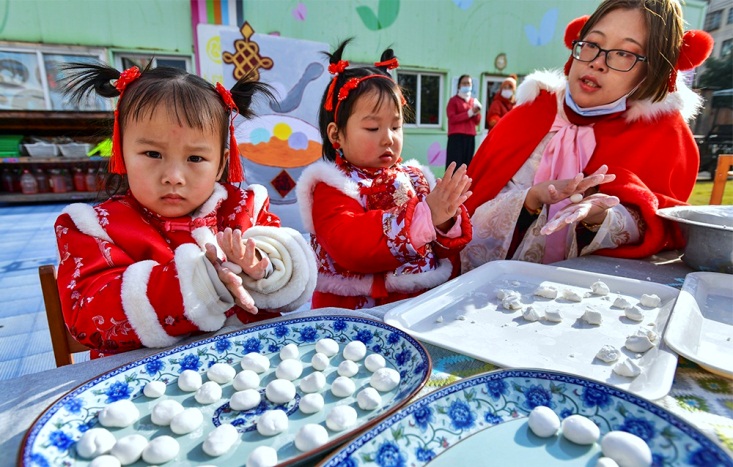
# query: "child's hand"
449,193
554,191
242,253
592,207
232,282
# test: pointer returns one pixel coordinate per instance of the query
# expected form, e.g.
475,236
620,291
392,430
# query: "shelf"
69,197
52,160
55,123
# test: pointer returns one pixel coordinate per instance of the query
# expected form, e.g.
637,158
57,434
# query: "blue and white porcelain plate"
483,421
51,439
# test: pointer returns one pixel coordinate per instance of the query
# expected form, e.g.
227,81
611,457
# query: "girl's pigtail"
80,79
244,91
387,61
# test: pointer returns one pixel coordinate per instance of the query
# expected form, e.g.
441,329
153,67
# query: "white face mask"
465,90
507,93
619,105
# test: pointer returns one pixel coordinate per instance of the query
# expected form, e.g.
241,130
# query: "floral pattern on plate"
51,439
445,419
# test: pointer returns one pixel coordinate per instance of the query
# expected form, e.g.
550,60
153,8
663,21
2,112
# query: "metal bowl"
709,234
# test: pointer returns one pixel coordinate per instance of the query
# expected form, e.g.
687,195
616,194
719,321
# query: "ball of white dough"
311,403
119,414
221,373
280,391
154,389
129,449
626,449
246,379
314,382
272,422
189,381
187,421
220,440
341,417
255,362
164,411
245,400
368,399
580,430
290,369
208,393
289,351
355,350
606,462
374,362
347,368
95,442
320,361
262,456
576,198
385,379
161,450
105,461
328,347
310,436
543,421
343,387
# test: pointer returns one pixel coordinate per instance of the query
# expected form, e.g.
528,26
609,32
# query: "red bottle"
80,183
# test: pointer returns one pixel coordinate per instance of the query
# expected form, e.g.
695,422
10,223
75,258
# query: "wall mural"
387,11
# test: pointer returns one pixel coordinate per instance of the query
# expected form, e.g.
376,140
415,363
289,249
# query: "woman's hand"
592,209
449,193
242,253
231,281
554,191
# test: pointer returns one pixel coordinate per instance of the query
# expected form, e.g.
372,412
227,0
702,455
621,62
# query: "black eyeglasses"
616,59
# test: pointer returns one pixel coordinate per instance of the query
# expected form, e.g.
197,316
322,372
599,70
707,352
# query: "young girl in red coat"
146,268
382,230
582,163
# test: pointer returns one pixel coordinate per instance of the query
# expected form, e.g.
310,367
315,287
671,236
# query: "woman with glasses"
587,156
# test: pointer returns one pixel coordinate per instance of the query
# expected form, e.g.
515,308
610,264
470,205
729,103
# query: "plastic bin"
10,145
41,149
76,150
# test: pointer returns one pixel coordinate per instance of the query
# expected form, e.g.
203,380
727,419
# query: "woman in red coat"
503,102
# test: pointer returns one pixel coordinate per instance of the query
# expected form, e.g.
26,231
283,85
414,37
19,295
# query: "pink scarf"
566,155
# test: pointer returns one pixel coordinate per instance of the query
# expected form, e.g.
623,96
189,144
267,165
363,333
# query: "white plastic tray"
488,332
701,327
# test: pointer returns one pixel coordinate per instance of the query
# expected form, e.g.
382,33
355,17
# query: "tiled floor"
26,241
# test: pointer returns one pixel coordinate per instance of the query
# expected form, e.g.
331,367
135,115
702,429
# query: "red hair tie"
335,69
236,173
390,64
116,162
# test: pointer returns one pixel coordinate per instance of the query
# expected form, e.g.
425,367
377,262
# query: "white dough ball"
606,462
246,379
314,382
119,414
341,417
262,456
368,399
328,347
272,422
95,442
320,361
289,351
384,379
129,449
347,368
280,391
105,461
255,362
154,389
311,403
187,421
161,450
310,436
245,400
164,411
208,393
221,373
374,362
355,350
628,450
220,440
543,421
343,387
290,369
576,198
580,430
189,381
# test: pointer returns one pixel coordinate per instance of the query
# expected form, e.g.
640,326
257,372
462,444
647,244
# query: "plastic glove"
577,212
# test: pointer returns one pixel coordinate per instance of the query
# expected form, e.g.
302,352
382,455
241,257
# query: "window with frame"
31,77
423,92
124,60
726,47
713,19
730,15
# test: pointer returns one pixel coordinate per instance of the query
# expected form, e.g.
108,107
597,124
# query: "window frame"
713,20
418,99
119,55
726,47
730,16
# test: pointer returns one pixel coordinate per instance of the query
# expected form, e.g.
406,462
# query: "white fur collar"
219,194
684,100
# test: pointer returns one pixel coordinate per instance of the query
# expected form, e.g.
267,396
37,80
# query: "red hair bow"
236,172
390,64
116,162
334,69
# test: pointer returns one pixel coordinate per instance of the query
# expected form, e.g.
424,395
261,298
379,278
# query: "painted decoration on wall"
463,4
387,11
544,34
247,58
300,12
436,154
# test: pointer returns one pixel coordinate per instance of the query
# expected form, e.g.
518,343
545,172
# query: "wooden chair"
725,162
64,345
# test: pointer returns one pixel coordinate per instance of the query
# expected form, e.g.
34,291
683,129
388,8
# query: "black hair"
170,88
384,88
460,78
